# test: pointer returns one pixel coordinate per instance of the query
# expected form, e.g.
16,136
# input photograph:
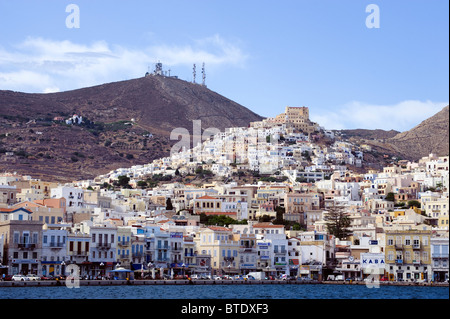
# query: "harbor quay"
80,283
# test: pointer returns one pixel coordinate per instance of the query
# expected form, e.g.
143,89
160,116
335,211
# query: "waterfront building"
103,249
218,243
439,256
317,254
78,253
124,250
247,251
22,245
277,250
54,256
294,255
408,255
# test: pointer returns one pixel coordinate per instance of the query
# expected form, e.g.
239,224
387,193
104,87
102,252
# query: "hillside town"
282,197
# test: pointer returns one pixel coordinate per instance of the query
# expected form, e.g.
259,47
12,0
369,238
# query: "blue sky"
263,54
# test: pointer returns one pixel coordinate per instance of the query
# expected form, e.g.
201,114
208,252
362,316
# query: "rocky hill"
430,136
124,123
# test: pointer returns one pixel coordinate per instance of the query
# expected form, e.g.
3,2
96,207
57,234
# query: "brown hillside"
430,136
32,143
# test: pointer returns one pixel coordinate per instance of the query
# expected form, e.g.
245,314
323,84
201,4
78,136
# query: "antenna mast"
203,75
194,73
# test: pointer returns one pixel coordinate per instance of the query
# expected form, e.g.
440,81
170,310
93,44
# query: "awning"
137,266
120,270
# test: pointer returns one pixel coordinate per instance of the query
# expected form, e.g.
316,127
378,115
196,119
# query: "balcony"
439,255
104,246
57,245
164,247
247,250
416,246
80,253
123,243
25,246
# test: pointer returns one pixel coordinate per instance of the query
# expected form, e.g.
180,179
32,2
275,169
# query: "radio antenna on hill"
203,75
194,73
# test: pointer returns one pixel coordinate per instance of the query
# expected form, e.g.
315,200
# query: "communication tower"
203,75
194,73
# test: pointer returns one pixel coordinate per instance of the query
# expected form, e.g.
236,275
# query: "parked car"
215,277
249,277
284,277
19,278
7,278
46,277
33,277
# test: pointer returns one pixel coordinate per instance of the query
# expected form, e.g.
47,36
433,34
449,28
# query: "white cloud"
402,116
43,65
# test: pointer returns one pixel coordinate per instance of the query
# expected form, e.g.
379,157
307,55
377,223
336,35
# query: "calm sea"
197,292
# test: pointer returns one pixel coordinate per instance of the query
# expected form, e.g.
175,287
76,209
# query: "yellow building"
298,117
207,204
408,256
218,243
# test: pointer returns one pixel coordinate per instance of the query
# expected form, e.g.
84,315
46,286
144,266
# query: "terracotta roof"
220,213
207,197
267,225
13,210
219,228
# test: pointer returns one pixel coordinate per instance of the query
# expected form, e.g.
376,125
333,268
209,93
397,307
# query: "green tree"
142,184
123,181
390,197
337,221
413,203
279,220
169,205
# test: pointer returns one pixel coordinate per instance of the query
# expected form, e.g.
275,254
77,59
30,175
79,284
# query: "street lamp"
100,270
63,264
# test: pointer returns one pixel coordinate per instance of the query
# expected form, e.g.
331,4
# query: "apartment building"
103,249
22,245
218,242
408,255
439,256
54,251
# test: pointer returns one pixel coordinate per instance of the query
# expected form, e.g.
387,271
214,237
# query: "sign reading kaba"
371,260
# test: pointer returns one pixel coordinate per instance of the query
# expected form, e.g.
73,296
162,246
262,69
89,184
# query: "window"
93,238
407,255
390,241
407,241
